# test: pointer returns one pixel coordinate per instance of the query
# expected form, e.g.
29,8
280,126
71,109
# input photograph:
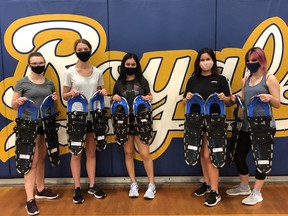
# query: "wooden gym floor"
171,199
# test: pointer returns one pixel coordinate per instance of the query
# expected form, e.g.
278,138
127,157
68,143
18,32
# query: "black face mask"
130,71
83,56
38,69
253,67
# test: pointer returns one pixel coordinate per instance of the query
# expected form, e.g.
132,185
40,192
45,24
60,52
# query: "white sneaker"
133,192
237,190
150,192
252,199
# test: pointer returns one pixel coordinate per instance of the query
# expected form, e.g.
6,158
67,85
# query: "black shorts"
40,130
89,128
132,130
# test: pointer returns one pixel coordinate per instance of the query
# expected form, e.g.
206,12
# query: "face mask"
38,69
206,65
83,56
130,71
253,67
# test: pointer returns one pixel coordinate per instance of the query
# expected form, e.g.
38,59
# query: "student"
130,84
35,87
259,82
87,79
205,81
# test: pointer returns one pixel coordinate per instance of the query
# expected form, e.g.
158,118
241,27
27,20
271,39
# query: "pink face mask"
206,65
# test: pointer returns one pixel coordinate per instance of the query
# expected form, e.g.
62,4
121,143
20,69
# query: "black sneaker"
78,198
212,199
31,207
96,191
203,189
46,194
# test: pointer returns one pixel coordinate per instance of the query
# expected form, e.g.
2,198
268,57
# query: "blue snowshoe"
143,116
48,116
26,132
216,130
77,111
193,129
261,134
99,120
236,126
119,113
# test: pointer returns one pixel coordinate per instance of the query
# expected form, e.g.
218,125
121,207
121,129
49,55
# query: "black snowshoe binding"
216,130
99,120
26,132
119,113
193,129
77,123
261,134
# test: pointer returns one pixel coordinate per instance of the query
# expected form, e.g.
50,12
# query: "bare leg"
90,158
40,170
129,158
30,177
145,155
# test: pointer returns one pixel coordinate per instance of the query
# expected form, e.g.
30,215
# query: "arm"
274,88
17,100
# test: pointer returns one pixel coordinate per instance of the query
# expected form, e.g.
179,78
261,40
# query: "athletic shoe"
252,199
150,192
212,199
96,191
46,194
78,198
31,207
237,190
203,189
133,192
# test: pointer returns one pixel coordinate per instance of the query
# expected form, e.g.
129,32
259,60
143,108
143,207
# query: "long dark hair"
197,68
138,74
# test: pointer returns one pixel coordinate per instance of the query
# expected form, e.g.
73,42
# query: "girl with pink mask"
205,81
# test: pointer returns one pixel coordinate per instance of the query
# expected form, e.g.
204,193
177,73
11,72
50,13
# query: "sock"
244,187
257,192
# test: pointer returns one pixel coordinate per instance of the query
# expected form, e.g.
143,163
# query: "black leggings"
242,150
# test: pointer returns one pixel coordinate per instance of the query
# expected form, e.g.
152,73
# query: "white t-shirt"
86,85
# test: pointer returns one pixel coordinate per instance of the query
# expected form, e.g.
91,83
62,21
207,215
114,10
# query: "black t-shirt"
131,90
207,85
